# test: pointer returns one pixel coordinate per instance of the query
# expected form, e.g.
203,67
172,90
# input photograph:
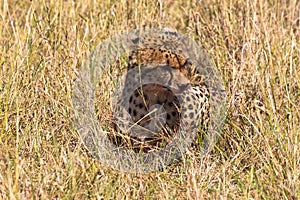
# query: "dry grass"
256,46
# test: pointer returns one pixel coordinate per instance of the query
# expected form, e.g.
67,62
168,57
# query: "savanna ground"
255,45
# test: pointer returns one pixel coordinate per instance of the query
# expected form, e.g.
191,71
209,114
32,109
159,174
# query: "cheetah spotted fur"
155,109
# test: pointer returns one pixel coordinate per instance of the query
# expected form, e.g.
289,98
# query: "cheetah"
168,91
166,100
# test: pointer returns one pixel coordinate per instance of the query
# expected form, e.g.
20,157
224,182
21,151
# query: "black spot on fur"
168,116
145,97
199,95
191,115
136,40
193,124
141,105
202,113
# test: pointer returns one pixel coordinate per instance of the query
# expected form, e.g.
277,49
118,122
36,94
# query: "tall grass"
256,46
